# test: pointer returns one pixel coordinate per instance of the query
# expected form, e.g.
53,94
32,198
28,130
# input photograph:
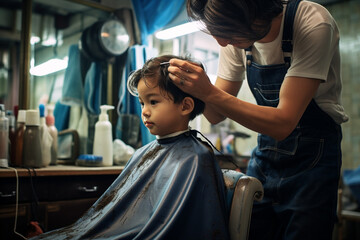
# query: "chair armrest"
247,190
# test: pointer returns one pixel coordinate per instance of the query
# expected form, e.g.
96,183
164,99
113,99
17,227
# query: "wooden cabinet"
55,196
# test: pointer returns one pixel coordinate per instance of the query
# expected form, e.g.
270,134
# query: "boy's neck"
174,134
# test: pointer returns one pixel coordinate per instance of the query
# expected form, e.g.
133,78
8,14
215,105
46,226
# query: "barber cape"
171,188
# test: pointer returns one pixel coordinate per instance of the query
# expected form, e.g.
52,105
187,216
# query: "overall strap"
287,45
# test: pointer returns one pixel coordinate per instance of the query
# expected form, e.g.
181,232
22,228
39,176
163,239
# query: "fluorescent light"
34,40
51,66
179,30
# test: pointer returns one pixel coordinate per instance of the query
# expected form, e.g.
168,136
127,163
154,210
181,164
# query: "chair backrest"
242,191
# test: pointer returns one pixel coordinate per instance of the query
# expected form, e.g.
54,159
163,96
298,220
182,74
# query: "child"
172,188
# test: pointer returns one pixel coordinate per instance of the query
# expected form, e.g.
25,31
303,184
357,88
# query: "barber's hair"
155,74
248,19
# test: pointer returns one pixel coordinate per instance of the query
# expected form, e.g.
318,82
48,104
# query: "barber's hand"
190,78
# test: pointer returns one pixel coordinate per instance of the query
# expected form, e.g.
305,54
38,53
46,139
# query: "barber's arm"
230,87
295,95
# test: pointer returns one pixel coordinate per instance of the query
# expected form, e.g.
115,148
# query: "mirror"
54,26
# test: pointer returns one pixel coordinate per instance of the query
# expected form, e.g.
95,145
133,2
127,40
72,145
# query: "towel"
72,91
61,114
93,89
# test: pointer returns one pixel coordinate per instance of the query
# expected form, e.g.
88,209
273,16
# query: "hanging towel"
128,104
93,88
61,114
72,91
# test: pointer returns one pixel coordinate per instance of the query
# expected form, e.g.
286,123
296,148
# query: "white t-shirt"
315,55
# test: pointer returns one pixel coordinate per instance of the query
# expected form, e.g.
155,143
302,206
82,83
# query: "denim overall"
300,174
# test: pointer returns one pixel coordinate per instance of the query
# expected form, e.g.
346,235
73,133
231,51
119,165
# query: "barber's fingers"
186,66
179,80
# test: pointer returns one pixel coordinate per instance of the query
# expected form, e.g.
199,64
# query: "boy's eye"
142,104
153,102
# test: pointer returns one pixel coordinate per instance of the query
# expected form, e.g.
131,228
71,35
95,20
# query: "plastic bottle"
32,153
4,137
103,145
12,137
19,135
50,122
46,139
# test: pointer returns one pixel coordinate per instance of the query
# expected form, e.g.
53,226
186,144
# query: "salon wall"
347,15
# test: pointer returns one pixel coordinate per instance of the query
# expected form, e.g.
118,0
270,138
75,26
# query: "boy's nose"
145,112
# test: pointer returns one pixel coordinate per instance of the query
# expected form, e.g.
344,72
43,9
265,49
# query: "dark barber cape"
171,188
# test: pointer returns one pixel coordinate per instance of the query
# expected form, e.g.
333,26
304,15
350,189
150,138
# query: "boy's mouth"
148,123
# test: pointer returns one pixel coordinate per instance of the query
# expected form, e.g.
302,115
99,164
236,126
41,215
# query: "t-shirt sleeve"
313,52
231,64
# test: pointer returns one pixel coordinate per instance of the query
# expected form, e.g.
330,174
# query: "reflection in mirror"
56,25
10,28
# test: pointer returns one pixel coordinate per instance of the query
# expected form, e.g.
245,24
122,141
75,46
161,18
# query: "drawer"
54,188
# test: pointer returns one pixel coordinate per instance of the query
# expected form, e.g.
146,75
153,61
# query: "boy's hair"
156,75
248,19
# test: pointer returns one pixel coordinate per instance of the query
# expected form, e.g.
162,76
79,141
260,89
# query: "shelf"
62,170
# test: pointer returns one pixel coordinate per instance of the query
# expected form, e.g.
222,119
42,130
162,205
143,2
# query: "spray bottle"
103,139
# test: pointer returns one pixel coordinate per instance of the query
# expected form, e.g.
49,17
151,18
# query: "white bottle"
103,140
32,151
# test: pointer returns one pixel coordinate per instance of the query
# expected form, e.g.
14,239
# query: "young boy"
172,188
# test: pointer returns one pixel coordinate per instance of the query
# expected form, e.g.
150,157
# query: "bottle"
103,145
32,154
4,137
46,139
50,122
19,138
12,138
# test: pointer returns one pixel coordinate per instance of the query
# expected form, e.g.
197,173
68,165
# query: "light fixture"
48,67
179,30
34,40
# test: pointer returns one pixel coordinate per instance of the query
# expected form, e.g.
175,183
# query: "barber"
289,54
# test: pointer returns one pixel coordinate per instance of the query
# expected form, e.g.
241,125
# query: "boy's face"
159,113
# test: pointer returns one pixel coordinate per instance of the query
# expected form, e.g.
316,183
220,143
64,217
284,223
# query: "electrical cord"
212,146
16,202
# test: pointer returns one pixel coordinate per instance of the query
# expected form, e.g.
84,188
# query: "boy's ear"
187,105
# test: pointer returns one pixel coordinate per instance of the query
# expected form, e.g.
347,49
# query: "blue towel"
61,114
72,91
93,88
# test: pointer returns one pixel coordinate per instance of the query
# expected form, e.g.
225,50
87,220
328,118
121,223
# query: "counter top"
62,170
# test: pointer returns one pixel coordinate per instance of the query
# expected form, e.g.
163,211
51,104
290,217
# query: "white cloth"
315,55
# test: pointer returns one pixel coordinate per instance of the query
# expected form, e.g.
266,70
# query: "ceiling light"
48,67
179,30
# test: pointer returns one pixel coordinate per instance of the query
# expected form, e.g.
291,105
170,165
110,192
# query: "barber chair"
241,192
